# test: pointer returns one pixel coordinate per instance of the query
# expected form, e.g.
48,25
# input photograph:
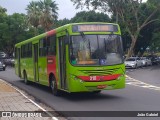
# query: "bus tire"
25,78
53,86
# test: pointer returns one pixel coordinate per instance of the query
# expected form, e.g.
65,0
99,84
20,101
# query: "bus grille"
100,72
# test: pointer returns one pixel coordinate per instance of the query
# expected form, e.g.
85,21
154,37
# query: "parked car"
158,61
3,55
146,61
155,60
9,61
133,62
2,66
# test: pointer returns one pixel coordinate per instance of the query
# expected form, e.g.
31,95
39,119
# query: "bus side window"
29,51
51,45
43,47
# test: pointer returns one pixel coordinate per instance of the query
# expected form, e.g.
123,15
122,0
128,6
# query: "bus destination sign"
95,28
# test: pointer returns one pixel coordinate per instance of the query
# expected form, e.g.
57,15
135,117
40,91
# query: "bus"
77,57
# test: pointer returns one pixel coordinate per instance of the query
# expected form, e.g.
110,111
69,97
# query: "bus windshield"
96,50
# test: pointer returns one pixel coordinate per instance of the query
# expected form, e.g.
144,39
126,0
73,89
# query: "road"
132,98
149,75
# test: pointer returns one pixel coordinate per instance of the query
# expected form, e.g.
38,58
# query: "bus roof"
56,30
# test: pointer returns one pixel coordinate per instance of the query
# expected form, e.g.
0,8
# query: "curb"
19,91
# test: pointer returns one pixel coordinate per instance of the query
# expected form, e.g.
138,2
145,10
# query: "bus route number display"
95,28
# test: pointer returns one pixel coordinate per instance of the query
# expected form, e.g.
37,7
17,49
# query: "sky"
66,7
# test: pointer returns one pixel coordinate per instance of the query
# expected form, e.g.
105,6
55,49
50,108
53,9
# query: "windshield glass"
96,50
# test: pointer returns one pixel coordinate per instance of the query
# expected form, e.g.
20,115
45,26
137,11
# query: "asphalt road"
132,98
149,74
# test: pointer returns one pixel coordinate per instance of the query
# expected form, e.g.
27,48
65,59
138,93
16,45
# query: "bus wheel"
25,78
53,86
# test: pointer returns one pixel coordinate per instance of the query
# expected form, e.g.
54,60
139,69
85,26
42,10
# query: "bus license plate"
101,86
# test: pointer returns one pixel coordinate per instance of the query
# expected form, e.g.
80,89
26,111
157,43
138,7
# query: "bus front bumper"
83,86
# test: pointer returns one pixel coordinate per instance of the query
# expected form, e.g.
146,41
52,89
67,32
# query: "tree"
13,30
144,39
155,44
128,12
90,16
42,14
85,16
3,25
3,10
48,13
62,22
33,15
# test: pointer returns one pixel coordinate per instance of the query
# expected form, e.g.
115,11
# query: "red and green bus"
77,57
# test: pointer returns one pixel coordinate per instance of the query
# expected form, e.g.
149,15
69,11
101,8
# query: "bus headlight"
120,77
74,77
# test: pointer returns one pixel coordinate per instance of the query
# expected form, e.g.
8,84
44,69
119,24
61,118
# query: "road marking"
54,118
138,83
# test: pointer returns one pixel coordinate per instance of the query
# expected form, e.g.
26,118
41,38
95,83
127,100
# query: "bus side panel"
29,70
42,70
51,66
27,65
17,61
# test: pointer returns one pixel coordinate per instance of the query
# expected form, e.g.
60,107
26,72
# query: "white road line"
132,81
54,118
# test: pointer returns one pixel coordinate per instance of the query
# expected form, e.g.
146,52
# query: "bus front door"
35,59
62,62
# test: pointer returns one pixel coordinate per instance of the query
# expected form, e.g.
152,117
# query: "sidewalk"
12,100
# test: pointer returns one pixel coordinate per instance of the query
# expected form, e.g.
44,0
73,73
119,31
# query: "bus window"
51,45
43,47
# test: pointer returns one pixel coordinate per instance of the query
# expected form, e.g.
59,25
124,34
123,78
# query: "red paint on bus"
99,78
51,32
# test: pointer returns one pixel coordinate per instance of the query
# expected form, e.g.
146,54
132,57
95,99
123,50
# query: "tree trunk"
117,17
130,51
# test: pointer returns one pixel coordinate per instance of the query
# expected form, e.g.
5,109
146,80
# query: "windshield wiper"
83,36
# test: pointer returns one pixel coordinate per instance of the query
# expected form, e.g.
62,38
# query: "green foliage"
90,16
13,30
132,14
137,20
85,16
62,22
155,44
2,10
33,15
42,13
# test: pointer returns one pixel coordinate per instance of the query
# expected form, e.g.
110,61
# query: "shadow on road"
89,96
44,90
155,67
76,96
